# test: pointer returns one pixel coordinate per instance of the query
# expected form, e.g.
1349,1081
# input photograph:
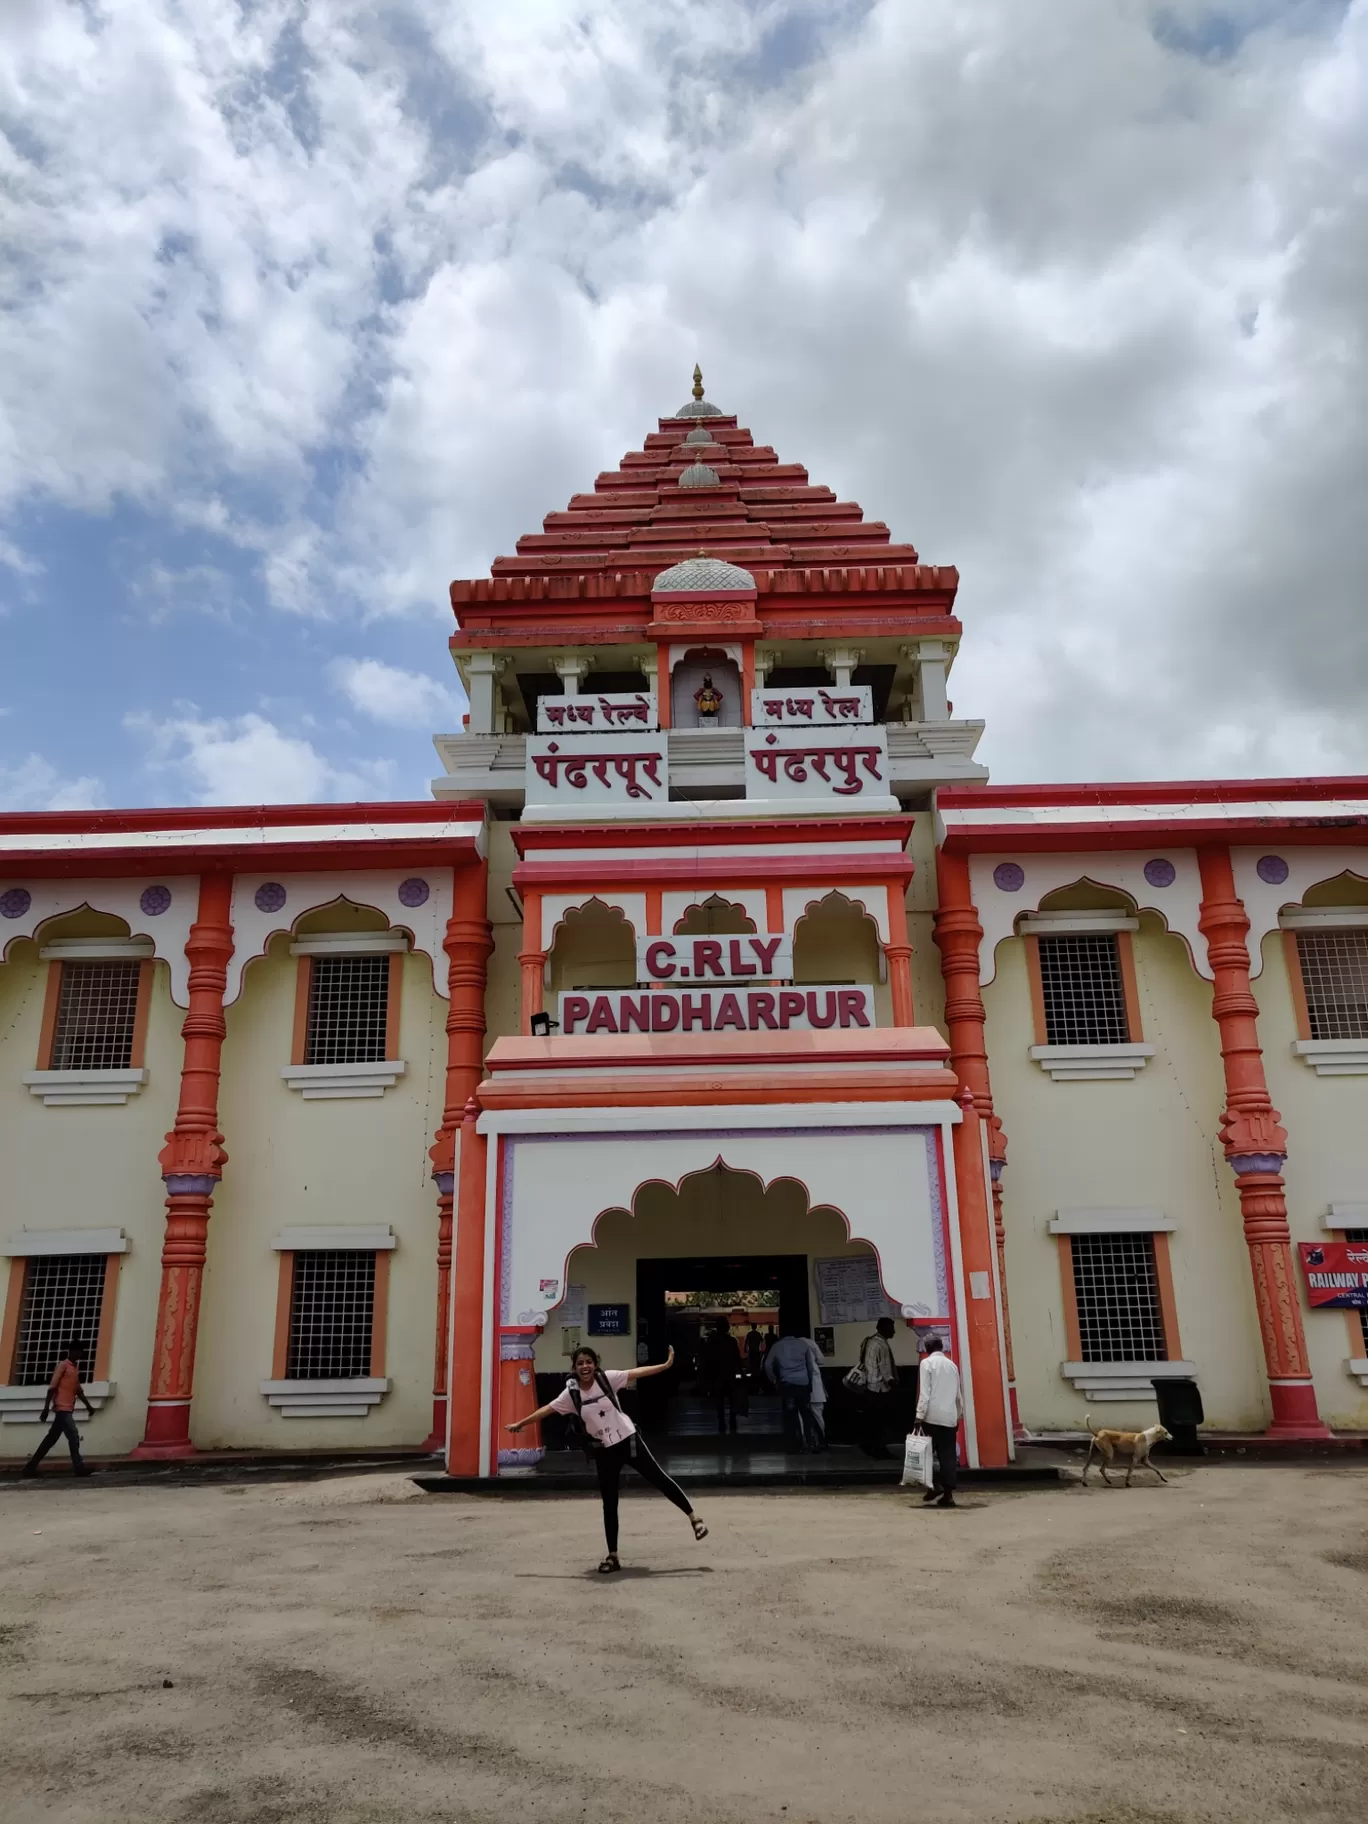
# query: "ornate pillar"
467,1303
517,1396
983,1344
958,936
532,959
468,942
192,1163
1256,1146
899,954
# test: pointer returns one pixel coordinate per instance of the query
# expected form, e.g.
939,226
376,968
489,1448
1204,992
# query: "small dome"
699,436
699,408
699,475
699,573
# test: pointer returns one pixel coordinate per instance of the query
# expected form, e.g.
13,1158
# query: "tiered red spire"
765,515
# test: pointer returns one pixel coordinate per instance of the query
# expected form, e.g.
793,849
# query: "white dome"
699,475
699,408
698,573
699,436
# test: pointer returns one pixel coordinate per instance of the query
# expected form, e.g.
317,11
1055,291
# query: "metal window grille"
1117,1293
332,1315
1360,1235
1334,968
63,1297
1085,1002
348,1010
96,1010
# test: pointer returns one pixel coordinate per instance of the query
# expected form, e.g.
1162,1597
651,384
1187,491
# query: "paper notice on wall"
849,1291
573,1308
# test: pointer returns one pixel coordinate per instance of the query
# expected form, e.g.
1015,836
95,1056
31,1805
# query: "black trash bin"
1180,1413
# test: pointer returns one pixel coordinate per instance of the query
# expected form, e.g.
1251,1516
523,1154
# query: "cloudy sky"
312,305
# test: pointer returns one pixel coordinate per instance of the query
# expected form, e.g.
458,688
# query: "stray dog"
1134,1446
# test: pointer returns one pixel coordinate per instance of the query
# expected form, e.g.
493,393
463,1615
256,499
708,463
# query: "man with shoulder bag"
874,1383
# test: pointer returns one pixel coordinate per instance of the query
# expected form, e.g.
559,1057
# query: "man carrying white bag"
932,1461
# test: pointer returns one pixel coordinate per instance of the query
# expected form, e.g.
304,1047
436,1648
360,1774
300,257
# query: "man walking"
790,1365
940,1407
63,1392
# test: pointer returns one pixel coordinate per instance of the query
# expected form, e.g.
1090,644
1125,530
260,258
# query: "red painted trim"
1181,791
719,873
572,838
242,816
882,1045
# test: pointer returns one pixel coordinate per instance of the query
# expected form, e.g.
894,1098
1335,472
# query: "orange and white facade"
714,943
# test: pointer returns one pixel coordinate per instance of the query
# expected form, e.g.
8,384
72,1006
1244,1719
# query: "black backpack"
587,1444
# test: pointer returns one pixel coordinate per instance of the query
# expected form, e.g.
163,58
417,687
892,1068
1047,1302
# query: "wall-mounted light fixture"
543,1025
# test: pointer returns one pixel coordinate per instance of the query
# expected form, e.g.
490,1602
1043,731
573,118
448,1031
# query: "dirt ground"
353,1651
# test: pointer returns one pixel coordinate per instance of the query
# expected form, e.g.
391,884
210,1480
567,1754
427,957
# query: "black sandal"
610,1563
700,1531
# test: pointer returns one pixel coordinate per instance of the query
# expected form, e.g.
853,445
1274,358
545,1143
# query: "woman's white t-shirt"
606,1424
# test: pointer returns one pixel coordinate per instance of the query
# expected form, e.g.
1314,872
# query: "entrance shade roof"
880,1064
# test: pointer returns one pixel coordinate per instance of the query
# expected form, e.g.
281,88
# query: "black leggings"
610,1464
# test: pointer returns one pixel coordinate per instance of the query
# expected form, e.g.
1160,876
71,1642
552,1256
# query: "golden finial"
698,381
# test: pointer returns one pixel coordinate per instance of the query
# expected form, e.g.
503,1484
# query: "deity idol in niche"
709,699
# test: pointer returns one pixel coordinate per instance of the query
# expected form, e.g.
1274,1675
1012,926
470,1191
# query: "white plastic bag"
919,1469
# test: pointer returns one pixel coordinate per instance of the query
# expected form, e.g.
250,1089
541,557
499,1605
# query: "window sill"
84,1088
24,1405
329,1082
1091,1063
1358,1367
345,1399
1102,1381
1334,1057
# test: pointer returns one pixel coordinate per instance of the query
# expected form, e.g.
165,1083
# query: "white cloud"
249,760
399,699
34,784
371,289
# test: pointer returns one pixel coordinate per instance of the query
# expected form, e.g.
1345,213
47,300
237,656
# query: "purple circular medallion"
155,900
1160,873
269,897
15,902
1008,877
1272,869
414,892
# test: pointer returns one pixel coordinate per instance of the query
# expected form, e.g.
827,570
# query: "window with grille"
62,1300
97,1009
332,1315
1116,1289
348,1010
1085,998
1362,1316
1334,971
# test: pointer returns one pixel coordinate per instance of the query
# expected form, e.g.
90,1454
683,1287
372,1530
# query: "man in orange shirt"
63,1392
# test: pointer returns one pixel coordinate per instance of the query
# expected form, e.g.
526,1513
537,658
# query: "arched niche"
340,915
85,921
837,942
1347,889
1086,895
714,917
594,947
687,678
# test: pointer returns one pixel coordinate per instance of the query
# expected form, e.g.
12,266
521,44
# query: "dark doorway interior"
664,1398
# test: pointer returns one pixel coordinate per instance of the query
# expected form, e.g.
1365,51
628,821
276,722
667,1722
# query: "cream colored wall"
295,1162
928,985
1151,1141
77,1168
503,995
713,1214
1324,1118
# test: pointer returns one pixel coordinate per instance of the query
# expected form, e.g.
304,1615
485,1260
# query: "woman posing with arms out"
615,1441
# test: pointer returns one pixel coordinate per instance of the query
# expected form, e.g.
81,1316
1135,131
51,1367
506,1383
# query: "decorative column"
467,1303
982,1344
899,954
468,942
532,959
1256,1146
958,937
192,1163
518,1453
486,715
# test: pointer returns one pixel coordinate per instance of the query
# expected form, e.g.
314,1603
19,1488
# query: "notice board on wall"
849,1291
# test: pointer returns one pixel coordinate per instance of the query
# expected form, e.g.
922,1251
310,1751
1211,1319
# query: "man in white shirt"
940,1407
